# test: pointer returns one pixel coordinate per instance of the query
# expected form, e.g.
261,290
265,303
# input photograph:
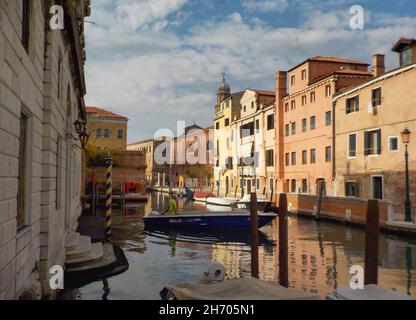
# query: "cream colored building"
227,110
148,147
254,143
108,130
370,117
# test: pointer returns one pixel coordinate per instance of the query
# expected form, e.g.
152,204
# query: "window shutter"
379,141
357,103
366,143
357,190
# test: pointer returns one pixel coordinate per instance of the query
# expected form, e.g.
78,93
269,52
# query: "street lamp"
408,206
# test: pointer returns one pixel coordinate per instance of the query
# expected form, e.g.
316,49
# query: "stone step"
82,249
108,259
71,241
95,255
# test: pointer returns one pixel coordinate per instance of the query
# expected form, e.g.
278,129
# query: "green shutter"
379,141
366,143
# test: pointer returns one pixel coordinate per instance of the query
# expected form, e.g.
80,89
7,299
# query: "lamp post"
408,206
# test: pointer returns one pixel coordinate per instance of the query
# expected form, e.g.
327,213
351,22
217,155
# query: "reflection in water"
320,255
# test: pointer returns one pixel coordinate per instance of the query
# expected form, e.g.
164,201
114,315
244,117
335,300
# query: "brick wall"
336,208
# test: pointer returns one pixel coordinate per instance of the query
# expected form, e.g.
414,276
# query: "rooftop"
403,42
330,59
104,113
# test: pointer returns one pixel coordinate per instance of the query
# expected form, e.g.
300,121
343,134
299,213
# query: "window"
304,125
304,74
293,186
304,157
352,104
372,142
293,158
22,177
59,73
98,133
269,158
292,80
227,122
252,105
406,56
313,97
352,145
328,91
271,184
257,126
106,133
313,123
328,154
247,130
120,134
313,156
257,184
270,122
287,130
293,105
293,128
376,97
26,12
58,181
244,108
352,189
377,187
304,100
393,144
287,159
217,126
304,186
287,107
328,118
229,163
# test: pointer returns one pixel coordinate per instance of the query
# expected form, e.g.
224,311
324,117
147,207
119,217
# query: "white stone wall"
31,80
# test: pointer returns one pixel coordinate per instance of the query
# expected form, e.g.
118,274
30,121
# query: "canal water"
320,255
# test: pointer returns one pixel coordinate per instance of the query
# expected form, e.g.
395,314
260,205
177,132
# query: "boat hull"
226,202
212,220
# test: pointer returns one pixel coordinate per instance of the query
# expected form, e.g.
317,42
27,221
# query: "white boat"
227,202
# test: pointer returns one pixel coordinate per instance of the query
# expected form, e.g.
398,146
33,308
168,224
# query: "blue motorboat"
208,220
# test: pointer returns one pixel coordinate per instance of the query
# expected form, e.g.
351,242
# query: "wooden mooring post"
283,242
108,196
254,239
372,230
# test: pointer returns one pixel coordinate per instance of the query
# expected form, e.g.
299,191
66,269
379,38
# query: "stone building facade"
41,95
108,130
370,117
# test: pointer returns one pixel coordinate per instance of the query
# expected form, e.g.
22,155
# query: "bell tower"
224,90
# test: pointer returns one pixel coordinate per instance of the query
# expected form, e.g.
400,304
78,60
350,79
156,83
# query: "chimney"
379,67
281,85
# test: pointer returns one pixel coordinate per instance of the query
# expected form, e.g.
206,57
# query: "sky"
160,61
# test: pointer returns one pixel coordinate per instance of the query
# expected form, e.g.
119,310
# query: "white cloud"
142,69
265,5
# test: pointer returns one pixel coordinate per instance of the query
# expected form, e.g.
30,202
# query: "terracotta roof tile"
104,113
